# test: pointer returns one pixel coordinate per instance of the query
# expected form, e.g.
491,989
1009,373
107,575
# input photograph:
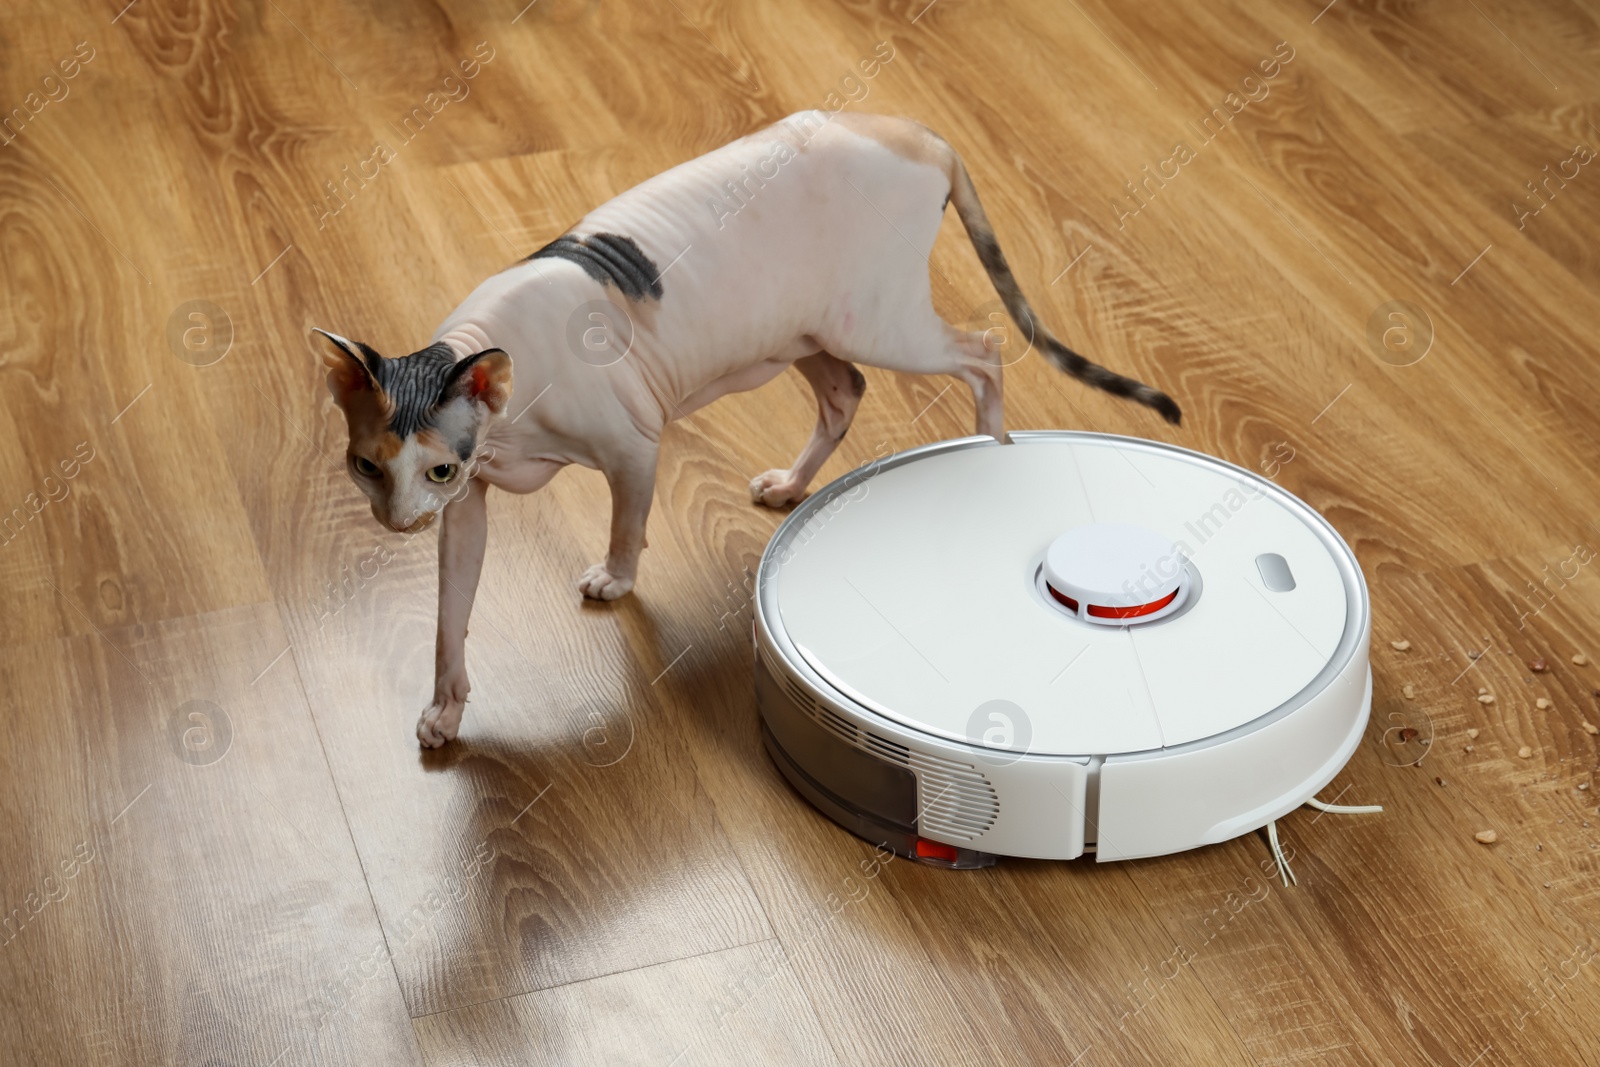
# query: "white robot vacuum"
1072,643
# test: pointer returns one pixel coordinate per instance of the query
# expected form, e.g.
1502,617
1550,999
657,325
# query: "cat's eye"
442,473
365,466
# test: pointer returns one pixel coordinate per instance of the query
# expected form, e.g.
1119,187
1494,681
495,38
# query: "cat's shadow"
585,791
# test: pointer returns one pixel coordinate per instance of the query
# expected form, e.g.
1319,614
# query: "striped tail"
970,210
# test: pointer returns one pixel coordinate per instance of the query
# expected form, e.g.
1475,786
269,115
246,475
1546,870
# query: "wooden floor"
219,843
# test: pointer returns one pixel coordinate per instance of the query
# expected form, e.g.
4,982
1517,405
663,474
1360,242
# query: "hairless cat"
805,244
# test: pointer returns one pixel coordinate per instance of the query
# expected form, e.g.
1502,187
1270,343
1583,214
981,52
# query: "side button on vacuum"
1275,572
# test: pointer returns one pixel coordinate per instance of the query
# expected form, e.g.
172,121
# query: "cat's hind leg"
838,387
918,341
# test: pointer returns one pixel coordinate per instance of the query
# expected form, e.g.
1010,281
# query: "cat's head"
414,421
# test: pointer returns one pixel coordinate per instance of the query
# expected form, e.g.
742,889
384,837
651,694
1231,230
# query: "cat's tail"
970,211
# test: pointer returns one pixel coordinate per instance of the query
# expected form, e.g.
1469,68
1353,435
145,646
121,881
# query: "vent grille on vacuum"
954,799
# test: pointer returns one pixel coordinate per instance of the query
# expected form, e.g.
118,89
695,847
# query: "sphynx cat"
805,245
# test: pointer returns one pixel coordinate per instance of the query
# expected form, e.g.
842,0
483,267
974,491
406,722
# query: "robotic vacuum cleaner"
1072,643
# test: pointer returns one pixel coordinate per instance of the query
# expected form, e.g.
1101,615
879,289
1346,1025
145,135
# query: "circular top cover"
911,587
1113,564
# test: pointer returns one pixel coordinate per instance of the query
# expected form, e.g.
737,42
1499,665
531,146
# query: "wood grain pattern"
733,1007
606,868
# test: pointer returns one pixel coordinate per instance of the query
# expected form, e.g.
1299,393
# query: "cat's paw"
598,583
776,489
440,721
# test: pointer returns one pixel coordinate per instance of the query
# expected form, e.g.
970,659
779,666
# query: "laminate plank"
567,819
180,885
736,1006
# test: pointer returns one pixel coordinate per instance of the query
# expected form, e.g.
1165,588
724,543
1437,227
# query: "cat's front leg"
632,478
462,536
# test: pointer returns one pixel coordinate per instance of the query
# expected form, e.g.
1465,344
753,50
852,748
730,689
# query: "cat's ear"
348,372
484,378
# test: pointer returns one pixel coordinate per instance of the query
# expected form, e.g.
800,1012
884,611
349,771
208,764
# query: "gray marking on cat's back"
609,259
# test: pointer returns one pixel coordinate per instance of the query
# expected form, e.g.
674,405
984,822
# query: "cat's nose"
419,523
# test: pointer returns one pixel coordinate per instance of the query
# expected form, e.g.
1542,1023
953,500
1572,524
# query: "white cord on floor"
1344,809
1284,870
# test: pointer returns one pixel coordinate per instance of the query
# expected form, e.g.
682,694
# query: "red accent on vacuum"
1100,612
936,850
